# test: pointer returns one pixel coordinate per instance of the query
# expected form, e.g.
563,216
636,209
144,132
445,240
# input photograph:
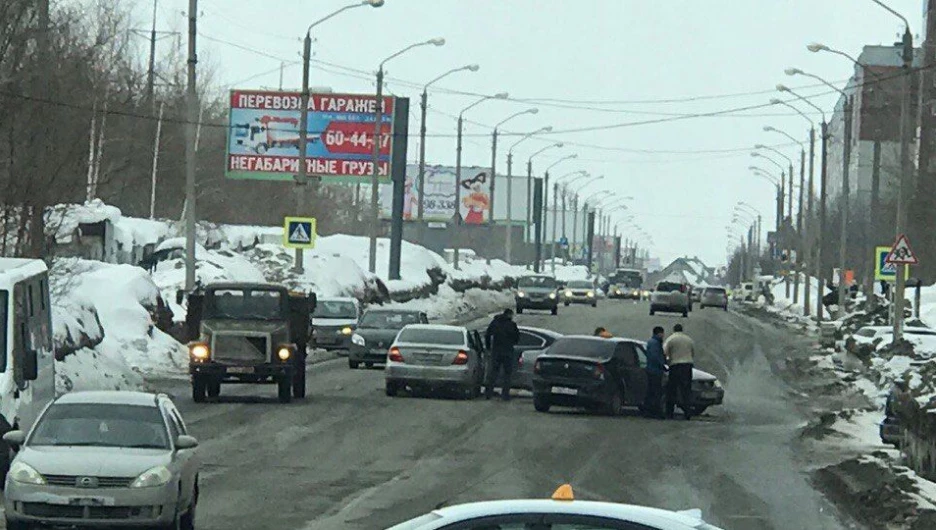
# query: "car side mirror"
15,438
185,441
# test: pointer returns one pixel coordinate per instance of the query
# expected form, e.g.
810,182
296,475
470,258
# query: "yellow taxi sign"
563,493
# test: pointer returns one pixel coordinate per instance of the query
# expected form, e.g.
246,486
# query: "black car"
605,375
375,333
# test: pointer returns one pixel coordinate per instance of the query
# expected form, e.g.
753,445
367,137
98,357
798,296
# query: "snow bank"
786,305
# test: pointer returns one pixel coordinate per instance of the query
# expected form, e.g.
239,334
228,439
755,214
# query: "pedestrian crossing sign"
886,271
299,232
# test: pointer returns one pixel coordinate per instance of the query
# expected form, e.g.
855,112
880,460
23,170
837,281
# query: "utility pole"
421,179
871,234
458,180
529,205
846,197
375,182
509,235
544,206
152,211
537,213
906,129
191,102
823,177
573,245
589,236
555,222
804,225
493,179
151,71
797,265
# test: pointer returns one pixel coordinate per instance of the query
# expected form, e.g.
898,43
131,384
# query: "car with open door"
428,357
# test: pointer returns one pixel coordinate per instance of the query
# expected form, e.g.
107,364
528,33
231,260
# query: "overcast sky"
601,62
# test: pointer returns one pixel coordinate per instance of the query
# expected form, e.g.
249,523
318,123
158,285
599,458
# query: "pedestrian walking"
501,337
656,366
679,350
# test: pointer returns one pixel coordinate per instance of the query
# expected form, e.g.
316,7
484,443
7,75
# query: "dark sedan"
604,375
376,332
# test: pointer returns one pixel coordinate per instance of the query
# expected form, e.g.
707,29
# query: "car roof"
338,299
538,276
435,326
109,397
392,310
244,285
596,339
541,331
636,514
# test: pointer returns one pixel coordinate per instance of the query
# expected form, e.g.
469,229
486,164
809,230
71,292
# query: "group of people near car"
674,354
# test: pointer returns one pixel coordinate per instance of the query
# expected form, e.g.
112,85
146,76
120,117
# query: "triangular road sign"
901,253
299,234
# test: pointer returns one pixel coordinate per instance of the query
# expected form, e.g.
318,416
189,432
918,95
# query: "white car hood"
334,322
92,461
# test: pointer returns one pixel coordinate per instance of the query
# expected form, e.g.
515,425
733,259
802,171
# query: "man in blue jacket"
656,366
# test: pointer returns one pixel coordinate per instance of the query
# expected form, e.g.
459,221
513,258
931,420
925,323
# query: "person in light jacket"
679,350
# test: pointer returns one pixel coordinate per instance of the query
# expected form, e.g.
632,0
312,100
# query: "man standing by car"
656,365
679,350
501,337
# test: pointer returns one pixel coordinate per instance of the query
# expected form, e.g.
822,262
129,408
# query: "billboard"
263,136
439,196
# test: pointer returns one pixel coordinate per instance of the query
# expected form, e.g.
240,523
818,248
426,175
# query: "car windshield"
714,290
107,425
265,304
335,309
388,320
668,287
583,347
580,284
537,282
452,337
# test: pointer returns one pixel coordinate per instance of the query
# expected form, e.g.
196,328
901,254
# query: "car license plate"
709,395
565,391
90,501
240,370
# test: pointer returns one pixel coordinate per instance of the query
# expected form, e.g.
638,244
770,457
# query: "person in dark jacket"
501,337
656,366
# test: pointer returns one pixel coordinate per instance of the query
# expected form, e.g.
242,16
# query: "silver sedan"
104,459
430,357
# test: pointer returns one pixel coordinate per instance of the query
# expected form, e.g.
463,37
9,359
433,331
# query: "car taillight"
537,367
599,371
395,355
682,288
461,358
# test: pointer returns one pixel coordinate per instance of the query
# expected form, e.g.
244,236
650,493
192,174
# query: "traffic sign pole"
901,255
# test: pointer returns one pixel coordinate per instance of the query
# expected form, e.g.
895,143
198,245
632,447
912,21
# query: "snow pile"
112,306
450,304
786,305
62,220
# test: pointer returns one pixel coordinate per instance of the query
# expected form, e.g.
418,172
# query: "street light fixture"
494,157
768,128
301,177
375,157
508,240
424,103
545,208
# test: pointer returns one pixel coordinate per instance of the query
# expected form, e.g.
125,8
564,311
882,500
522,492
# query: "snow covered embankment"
104,330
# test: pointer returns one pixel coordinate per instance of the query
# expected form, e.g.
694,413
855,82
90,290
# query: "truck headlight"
199,351
552,296
347,330
284,352
25,474
151,478
520,294
358,340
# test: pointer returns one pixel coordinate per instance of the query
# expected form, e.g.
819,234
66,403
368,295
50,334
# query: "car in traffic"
428,357
605,375
111,459
533,343
375,333
580,292
714,297
670,297
561,512
334,321
537,291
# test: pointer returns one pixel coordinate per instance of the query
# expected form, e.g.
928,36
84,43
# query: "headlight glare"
347,330
591,294
284,352
25,474
151,478
520,294
568,293
552,296
358,340
199,351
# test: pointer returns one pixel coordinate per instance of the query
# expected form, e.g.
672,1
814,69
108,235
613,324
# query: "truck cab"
27,366
250,333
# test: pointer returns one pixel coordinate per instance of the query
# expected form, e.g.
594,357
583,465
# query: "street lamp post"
424,104
301,177
508,240
494,134
457,221
824,136
375,157
530,206
789,244
545,216
781,193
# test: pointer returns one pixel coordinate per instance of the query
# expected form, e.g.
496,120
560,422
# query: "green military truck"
249,333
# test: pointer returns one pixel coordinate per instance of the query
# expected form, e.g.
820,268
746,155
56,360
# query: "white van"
27,366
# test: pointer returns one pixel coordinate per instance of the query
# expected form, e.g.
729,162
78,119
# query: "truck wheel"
353,364
554,310
284,389
519,310
698,409
391,388
685,314
261,148
368,365
198,389
299,385
567,303
652,311
541,403
214,389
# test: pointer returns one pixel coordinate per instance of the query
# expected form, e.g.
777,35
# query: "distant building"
688,270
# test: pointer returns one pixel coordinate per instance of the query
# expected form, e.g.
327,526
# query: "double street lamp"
545,207
458,179
378,140
494,156
508,241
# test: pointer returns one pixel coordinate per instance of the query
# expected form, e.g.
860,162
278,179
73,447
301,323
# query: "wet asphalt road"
349,457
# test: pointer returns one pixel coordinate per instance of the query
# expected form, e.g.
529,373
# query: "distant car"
605,375
104,459
625,292
333,322
714,297
580,292
426,357
376,330
537,292
562,512
670,297
695,293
